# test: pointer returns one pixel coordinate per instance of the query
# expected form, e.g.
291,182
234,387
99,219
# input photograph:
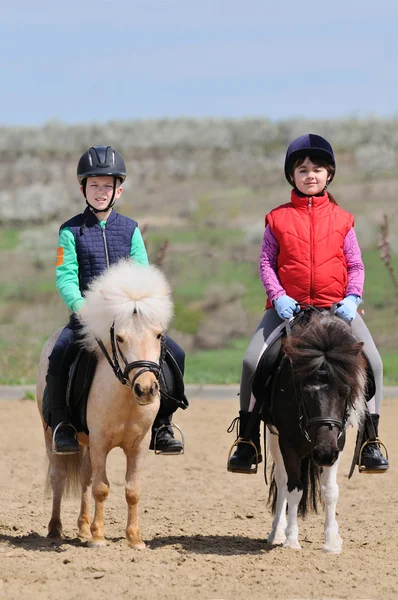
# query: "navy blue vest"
99,248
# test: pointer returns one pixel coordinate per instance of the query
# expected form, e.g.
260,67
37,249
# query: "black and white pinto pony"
318,391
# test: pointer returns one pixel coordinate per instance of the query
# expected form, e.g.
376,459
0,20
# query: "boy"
88,244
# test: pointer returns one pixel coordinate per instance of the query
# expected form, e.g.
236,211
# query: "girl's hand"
347,308
286,307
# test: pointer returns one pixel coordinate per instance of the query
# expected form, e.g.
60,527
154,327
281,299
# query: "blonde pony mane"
124,291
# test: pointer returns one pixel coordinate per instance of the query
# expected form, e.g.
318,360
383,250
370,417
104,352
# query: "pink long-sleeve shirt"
269,261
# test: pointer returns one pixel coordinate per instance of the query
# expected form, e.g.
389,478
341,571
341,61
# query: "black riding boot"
244,457
64,434
372,459
163,437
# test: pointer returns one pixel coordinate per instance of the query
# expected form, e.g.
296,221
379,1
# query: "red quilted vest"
310,233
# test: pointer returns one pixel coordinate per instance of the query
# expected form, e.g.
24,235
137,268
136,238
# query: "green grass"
216,366
390,364
9,239
224,366
216,257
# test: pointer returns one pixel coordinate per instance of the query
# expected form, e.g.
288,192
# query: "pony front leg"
330,495
86,476
278,535
133,490
100,493
292,465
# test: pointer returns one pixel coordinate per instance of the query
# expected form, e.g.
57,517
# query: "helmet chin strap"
111,203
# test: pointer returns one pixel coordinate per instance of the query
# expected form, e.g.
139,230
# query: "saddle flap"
172,389
81,375
266,368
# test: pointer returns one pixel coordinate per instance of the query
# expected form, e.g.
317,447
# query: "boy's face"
99,191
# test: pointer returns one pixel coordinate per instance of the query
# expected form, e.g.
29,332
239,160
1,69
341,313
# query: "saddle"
81,375
272,368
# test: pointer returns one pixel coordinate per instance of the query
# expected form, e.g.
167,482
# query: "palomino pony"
126,312
318,390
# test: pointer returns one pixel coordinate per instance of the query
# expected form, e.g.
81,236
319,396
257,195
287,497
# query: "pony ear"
357,348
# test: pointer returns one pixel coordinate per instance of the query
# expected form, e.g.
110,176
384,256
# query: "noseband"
144,365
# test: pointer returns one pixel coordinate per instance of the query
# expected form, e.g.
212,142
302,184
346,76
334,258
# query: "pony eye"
119,339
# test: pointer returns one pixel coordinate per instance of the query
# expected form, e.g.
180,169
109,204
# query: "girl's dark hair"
319,162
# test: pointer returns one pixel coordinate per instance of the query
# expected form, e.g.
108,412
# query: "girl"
309,255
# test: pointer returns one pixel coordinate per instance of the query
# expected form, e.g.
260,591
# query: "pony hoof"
276,540
292,544
84,534
55,535
333,546
137,545
332,550
96,543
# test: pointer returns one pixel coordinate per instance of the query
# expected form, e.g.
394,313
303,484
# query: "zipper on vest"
311,249
105,246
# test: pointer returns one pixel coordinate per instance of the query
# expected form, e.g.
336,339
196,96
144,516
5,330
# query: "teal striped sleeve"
138,250
67,271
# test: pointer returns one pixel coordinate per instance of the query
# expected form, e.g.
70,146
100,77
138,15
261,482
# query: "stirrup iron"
53,450
363,469
173,426
253,468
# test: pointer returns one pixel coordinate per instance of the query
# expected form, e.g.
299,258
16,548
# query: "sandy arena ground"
205,528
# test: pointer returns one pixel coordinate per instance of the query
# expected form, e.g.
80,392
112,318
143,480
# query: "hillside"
202,187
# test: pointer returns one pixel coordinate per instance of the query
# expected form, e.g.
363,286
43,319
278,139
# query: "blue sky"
104,60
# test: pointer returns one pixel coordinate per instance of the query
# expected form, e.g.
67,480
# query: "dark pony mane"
325,342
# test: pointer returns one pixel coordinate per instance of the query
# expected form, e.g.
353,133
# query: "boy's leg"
245,456
165,440
60,360
372,458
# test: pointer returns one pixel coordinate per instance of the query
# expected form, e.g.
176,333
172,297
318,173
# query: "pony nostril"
154,388
137,389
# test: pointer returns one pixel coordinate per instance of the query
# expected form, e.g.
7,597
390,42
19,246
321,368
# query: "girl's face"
99,191
310,179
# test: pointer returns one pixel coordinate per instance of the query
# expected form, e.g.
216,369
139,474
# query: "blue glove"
347,308
285,306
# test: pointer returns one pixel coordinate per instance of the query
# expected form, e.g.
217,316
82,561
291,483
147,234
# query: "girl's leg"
372,459
260,340
361,332
245,456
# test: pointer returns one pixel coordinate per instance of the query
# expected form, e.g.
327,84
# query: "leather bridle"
144,366
305,421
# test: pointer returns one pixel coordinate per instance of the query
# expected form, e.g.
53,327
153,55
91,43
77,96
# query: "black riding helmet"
311,145
100,161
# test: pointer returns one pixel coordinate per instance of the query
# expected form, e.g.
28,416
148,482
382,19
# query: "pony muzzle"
325,455
146,389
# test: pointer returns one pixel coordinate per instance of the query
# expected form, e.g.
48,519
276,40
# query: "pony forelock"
125,294
326,342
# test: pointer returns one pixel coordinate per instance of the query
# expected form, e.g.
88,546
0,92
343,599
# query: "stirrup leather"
53,450
253,468
173,426
362,468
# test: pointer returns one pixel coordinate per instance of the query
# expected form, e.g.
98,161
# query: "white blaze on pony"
137,302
